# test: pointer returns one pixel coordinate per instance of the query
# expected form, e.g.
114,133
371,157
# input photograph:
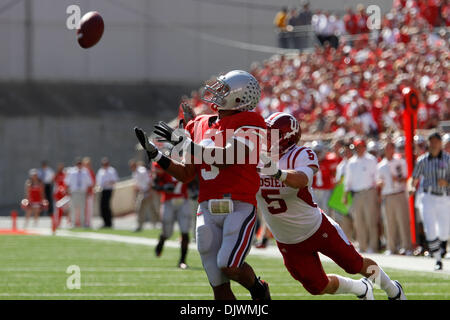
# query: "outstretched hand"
188,112
147,145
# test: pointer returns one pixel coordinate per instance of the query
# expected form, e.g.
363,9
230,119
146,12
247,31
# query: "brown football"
91,29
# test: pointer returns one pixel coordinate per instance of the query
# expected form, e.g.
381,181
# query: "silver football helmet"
235,90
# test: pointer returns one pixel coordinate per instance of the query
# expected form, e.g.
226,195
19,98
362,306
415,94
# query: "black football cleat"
158,250
266,294
438,266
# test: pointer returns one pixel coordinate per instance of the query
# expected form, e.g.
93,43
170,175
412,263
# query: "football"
91,29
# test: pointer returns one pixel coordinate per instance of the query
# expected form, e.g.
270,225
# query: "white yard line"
421,264
147,294
186,284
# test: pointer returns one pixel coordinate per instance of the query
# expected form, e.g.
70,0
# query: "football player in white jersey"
301,228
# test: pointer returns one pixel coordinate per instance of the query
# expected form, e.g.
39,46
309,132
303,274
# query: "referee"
434,168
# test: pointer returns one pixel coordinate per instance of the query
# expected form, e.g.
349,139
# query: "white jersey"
291,214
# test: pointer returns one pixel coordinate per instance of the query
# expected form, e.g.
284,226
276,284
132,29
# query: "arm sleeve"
304,158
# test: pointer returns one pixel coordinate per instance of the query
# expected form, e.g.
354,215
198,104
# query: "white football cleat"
401,294
368,295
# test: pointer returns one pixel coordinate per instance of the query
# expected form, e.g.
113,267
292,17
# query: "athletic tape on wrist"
158,156
164,162
283,175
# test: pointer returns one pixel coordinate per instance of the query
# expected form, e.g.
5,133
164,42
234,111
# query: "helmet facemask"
215,92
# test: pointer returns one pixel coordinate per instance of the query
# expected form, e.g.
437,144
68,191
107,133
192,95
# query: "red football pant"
303,262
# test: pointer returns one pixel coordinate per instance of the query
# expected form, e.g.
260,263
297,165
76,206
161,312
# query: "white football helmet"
235,90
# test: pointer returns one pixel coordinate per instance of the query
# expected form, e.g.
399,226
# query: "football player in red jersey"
174,207
223,152
323,182
301,228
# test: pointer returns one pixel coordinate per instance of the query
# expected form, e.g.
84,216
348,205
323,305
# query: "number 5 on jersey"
273,196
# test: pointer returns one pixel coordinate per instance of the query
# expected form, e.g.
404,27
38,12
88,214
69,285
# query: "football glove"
147,145
169,134
175,137
188,112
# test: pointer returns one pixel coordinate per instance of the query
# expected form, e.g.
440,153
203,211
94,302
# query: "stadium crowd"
295,27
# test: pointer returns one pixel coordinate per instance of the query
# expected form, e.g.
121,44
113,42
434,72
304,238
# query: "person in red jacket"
60,191
323,182
351,23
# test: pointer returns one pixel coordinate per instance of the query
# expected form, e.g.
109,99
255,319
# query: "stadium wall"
58,122
144,40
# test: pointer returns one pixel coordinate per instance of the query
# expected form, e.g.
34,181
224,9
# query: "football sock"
160,245
444,248
387,284
257,290
435,248
184,247
347,285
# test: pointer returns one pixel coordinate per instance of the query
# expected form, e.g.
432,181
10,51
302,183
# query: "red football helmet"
289,131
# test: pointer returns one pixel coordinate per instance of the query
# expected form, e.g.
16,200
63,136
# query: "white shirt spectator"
319,23
360,173
78,180
387,169
330,26
106,178
142,178
46,175
340,169
339,27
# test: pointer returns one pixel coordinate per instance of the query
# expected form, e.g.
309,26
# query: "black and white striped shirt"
432,169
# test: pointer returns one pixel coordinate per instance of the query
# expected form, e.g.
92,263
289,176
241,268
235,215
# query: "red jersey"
179,188
238,181
324,178
35,193
59,178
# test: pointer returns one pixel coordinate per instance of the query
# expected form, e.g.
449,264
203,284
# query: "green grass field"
34,267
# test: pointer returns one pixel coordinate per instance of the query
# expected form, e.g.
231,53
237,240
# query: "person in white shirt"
106,178
360,180
77,180
47,175
345,221
391,176
144,203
